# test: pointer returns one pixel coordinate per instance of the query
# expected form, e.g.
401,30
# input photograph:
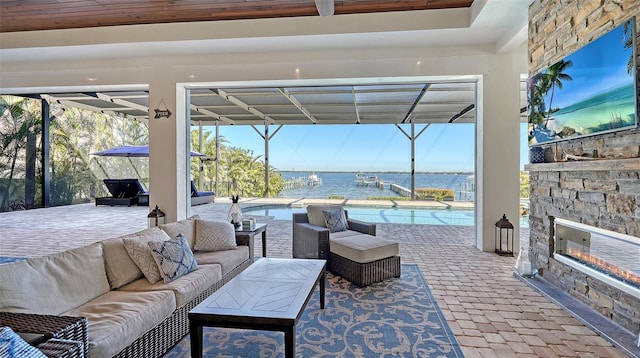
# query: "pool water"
383,215
378,215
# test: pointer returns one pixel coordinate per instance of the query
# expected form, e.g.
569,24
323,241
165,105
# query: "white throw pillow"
139,251
185,227
215,236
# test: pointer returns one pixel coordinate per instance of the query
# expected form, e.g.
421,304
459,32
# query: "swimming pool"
377,214
382,215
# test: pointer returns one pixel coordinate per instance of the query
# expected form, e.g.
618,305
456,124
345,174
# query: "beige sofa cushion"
53,284
118,318
119,266
228,259
363,248
138,249
185,227
185,288
316,216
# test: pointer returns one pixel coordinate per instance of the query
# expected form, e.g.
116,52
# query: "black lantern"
156,217
504,237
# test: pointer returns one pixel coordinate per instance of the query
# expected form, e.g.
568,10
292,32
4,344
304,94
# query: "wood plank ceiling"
31,15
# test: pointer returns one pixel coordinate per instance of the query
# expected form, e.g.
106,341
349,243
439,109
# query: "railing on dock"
402,191
372,180
301,182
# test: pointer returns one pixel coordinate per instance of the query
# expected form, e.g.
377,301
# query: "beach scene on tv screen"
587,92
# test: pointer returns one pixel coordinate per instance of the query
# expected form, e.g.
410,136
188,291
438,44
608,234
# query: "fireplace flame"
604,266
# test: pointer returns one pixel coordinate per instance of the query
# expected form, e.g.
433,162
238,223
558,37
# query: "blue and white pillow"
173,257
336,220
13,346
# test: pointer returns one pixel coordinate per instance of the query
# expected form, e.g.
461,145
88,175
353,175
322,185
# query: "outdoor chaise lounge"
123,192
351,247
201,197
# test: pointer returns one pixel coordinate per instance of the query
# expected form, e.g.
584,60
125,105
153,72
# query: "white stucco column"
168,153
498,151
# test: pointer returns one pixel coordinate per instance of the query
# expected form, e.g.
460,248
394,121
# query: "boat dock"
402,191
371,180
302,181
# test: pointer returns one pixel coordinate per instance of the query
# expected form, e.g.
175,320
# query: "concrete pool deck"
491,312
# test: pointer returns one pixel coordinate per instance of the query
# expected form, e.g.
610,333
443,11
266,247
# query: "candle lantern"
156,217
504,237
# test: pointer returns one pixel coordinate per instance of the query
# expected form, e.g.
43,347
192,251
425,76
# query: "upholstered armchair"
311,235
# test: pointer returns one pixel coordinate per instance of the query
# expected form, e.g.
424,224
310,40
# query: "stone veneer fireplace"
602,193
592,207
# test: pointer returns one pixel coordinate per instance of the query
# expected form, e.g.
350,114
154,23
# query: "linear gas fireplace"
608,256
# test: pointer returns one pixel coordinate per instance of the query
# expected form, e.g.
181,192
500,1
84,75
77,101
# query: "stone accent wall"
601,193
606,196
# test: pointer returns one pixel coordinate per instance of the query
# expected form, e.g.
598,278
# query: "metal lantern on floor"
504,237
156,217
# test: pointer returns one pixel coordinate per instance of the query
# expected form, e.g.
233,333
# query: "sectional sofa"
109,283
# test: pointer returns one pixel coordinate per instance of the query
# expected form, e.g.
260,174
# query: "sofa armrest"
62,348
362,226
310,241
300,218
246,239
59,327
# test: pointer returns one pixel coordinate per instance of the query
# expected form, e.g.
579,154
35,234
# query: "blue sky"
366,148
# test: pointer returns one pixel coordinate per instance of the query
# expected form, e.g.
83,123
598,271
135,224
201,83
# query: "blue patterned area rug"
8,259
394,318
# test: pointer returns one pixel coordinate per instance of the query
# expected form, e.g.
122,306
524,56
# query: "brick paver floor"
491,312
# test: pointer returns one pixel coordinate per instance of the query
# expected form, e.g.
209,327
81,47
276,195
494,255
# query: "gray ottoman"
364,259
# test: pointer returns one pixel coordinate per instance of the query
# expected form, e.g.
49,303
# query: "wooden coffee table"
270,295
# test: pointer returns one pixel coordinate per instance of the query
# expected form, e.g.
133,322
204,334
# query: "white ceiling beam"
212,114
122,102
298,105
243,105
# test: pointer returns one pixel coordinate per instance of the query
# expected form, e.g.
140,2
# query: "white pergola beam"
297,103
244,106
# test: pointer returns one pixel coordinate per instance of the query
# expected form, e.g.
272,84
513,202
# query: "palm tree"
627,40
536,91
555,75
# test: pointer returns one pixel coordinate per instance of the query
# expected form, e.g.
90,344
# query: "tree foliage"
19,121
524,184
76,175
240,171
74,134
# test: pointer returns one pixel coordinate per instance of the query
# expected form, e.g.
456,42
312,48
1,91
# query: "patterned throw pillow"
174,258
12,345
335,220
140,253
215,236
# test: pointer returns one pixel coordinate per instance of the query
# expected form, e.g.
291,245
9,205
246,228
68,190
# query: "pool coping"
303,202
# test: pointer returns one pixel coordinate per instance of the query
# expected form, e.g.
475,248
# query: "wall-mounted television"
591,91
